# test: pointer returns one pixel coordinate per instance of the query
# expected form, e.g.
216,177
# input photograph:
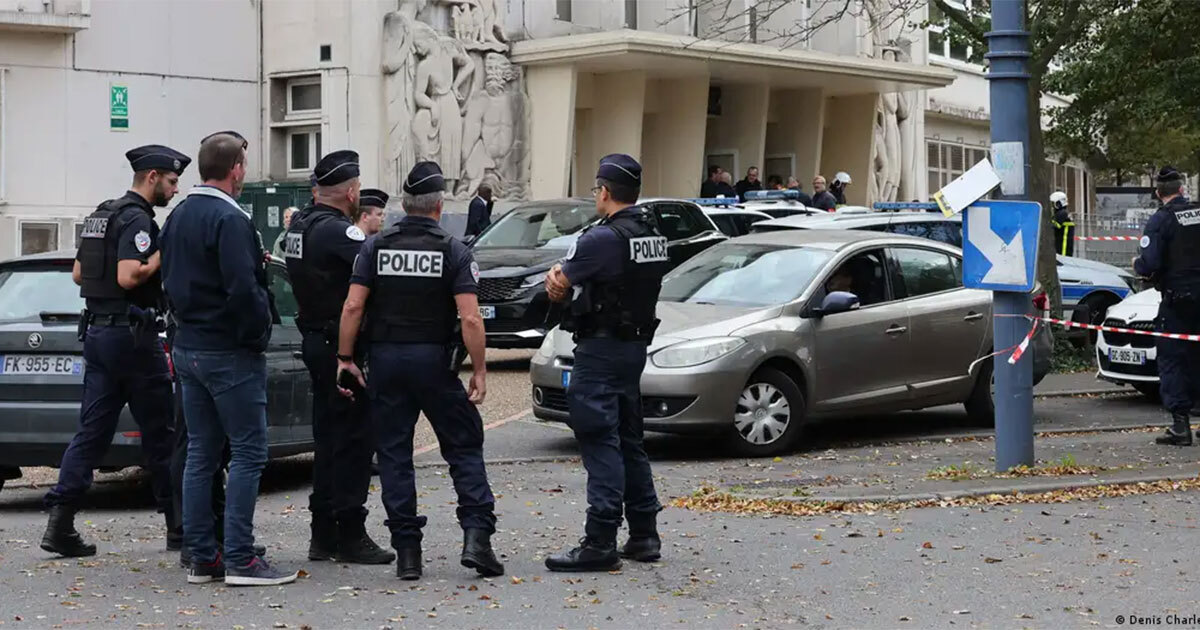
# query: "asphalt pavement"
1077,563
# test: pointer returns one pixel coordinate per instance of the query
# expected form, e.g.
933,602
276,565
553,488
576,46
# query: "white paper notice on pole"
1009,159
967,189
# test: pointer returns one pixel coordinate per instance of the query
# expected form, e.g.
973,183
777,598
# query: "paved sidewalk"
1077,383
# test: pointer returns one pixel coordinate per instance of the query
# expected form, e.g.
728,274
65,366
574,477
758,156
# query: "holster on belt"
85,320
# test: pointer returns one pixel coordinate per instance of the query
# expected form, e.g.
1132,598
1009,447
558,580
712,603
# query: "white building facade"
82,82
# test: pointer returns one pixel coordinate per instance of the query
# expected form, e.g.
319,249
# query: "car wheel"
769,417
981,407
1097,306
1149,390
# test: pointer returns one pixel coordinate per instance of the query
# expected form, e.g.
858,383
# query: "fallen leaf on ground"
992,560
927,545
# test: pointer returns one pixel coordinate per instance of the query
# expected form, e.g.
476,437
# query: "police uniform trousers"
605,404
119,370
341,435
405,380
1179,361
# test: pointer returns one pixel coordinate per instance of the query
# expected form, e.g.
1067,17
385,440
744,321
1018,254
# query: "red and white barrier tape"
1017,351
1108,238
1128,331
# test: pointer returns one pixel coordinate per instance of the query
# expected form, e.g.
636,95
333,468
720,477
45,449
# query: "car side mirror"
837,302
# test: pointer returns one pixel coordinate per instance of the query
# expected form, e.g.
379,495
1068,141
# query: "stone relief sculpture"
892,174
455,97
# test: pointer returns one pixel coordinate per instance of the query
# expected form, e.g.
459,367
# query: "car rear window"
26,293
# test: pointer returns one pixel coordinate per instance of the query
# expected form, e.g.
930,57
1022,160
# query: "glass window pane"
38,237
318,151
299,159
923,272
933,155
956,160
562,10
935,182
631,14
26,292
958,48
306,97
937,43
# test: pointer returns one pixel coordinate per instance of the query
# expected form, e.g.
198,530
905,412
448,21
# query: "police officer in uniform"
320,248
411,280
1170,257
117,269
614,272
1064,226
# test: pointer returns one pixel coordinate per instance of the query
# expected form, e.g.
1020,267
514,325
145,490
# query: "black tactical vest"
98,258
413,297
320,285
625,306
1183,252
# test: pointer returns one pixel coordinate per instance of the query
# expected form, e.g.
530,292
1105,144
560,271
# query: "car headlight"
546,350
696,352
534,280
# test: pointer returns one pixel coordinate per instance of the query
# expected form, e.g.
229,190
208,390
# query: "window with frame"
562,10
78,234
922,272
676,222
38,237
946,161
303,149
942,43
862,275
304,97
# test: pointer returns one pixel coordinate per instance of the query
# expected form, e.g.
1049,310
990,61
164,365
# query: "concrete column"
618,109
742,126
848,140
552,110
681,122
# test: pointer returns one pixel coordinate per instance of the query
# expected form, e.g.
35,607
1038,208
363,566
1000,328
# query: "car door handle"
896,330
971,317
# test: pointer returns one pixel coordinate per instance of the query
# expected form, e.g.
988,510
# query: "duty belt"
113,319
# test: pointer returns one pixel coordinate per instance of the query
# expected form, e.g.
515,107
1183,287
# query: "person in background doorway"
751,182
371,202
774,182
838,187
725,185
822,198
708,189
801,196
479,215
277,249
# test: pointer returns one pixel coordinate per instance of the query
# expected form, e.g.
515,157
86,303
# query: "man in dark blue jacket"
215,281
479,214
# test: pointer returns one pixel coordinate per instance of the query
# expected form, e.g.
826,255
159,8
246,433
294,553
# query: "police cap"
621,169
157,157
372,197
425,177
1168,174
336,168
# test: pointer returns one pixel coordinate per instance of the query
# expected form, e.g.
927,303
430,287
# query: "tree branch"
1065,29
963,21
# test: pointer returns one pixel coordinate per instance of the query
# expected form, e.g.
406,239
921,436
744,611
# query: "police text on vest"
293,245
645,249
407,262
94,227
1188,217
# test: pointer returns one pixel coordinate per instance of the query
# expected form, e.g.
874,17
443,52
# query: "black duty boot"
61,537
1180,433
477,553
174,532
644,544
408,563
356,547
590,555
323,544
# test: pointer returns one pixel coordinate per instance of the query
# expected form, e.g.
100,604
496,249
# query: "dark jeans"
605,403
1179,361
224,397
119,370
342,437
179,462
405,380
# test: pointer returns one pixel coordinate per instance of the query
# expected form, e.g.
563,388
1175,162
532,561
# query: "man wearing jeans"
214,279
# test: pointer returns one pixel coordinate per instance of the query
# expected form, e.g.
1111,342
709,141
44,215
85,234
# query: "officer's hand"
348,367
477,388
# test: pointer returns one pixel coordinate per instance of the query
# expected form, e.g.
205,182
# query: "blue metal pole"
1008,52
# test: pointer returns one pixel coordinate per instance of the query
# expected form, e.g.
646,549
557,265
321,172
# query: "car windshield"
744,275
544,226
27,293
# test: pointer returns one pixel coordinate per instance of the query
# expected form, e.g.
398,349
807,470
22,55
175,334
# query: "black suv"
515,252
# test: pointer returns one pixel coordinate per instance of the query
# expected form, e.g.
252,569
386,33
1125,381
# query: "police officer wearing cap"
320,248
372,203
613,275
1170,257
117,270
411,281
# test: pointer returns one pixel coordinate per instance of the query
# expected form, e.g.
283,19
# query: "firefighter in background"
1064,225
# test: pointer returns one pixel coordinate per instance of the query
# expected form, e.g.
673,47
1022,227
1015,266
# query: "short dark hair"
483,188
1169,187
620,192
752,168
774,180
713,169
140,176
219,153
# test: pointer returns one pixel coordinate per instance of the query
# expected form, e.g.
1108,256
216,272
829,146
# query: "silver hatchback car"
763,333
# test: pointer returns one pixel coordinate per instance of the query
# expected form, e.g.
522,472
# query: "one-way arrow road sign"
1000,245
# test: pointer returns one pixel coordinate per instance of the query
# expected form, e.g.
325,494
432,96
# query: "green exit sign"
118,107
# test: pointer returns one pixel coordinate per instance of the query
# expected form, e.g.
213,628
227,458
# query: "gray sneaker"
258,573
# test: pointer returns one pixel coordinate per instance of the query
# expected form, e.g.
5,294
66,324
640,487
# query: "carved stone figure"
491,147
442,69
400,28
476,23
